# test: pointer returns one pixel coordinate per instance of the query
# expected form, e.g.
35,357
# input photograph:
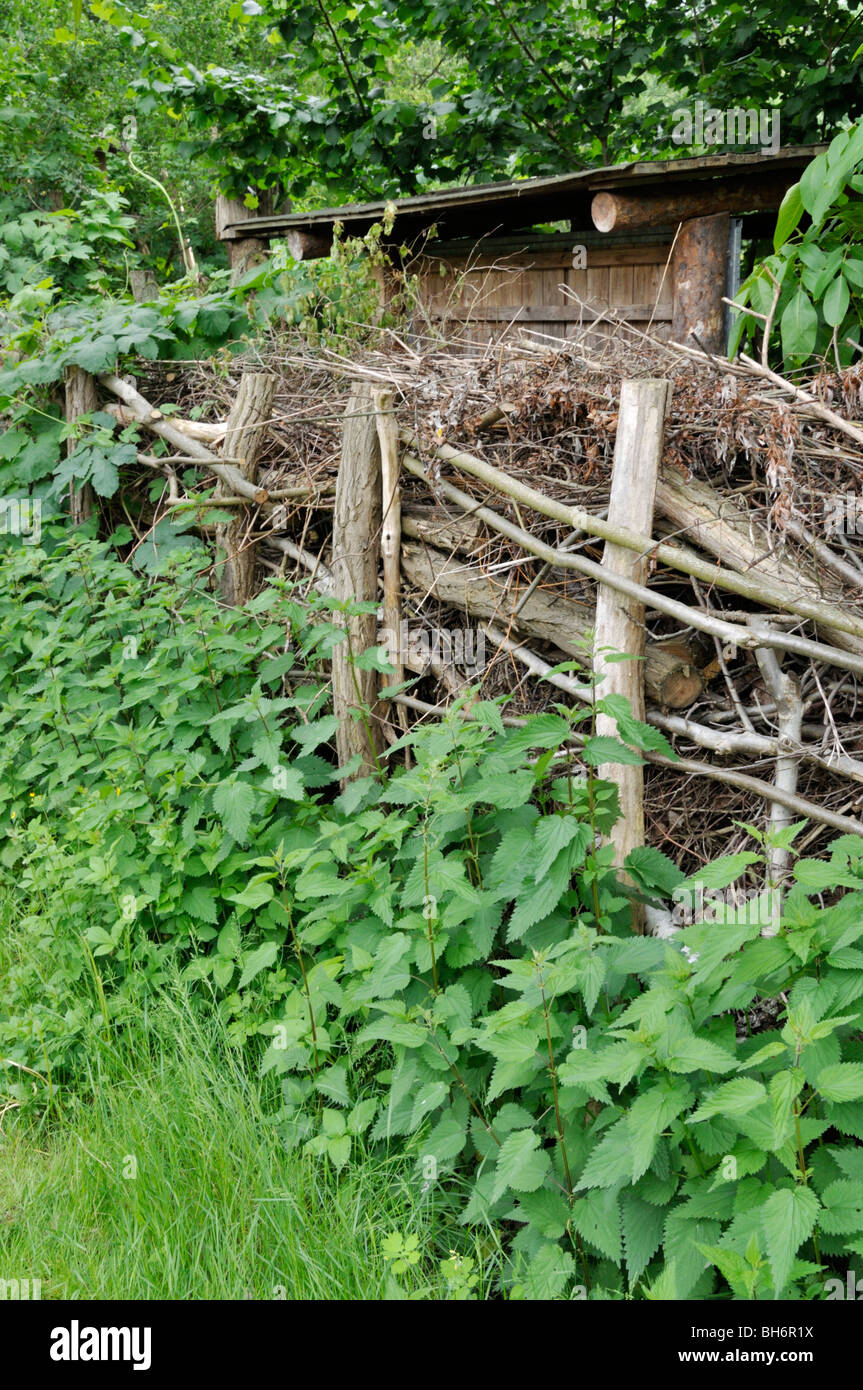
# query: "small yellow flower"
12,814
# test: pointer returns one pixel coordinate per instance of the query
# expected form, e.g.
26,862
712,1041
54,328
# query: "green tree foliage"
523,91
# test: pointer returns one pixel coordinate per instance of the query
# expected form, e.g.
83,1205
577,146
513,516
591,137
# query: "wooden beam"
391,531
306,246
619,618
553,313
698,268
612,210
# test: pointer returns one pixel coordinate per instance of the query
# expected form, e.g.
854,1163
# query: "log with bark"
671,672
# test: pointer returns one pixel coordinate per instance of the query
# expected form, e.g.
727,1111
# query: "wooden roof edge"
509,191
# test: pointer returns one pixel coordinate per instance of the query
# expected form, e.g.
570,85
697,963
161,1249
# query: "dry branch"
146,414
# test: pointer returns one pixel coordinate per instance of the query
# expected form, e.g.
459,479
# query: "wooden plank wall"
482,294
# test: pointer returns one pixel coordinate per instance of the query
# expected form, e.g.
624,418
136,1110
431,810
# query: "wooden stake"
243,440
391,535
81,399
619,618
356,522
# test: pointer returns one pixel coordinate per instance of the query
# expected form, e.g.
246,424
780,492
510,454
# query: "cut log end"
603,210
681,687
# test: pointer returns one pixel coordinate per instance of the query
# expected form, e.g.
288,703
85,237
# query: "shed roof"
507,206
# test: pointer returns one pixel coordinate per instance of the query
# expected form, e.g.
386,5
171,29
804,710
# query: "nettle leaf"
259,959
200,902
788,1218
233,803
642,1233
521,1164
602,749
551,834
596,1217
841,1082
649,1114
610,1162
549,1273
548,1211
691,1053
843,1208
536,900
732,1098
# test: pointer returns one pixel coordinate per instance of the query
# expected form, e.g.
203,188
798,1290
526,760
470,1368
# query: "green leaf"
642,1233
233,803
521,1164
788,217
732,1098
259,959
788,1218
843,1208
548,1273
602,749
253,895
835,303
690,1053
596,1217
798,327
842,1081
200,902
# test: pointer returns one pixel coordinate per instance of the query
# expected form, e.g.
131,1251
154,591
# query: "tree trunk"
356,528
245,434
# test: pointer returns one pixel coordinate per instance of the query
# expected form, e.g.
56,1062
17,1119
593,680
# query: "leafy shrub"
437,958
812,286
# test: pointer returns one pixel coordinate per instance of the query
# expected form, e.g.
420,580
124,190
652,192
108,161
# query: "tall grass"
169,1180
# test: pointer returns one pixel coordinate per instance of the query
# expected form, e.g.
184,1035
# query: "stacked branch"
469,491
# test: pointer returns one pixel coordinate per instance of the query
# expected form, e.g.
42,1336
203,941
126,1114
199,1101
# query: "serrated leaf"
521,1164
259,959
787,1218
732,1098
642,1233
233,803
843,1081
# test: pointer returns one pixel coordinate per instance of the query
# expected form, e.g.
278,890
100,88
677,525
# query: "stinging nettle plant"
437,960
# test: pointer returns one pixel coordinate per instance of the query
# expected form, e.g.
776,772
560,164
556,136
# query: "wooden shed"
656,244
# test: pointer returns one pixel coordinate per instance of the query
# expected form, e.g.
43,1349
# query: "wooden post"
391,534
698,267
356,525
243,440
243,252
620,619
81,399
